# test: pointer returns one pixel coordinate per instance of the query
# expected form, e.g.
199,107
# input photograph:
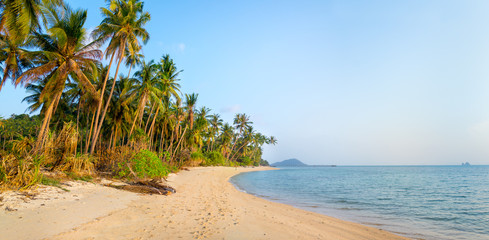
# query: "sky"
336,82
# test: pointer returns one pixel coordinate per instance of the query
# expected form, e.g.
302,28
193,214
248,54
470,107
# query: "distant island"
466,164
289,163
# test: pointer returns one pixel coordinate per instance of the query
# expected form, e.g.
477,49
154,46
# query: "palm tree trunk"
89,135
154,120
149,118
129,73
77,121
139,112
238,150
115,135
97,131
179,142
101,101
111,137
45,125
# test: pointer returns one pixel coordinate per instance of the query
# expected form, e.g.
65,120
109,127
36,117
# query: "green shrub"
245,161
145,164
197,156
214,158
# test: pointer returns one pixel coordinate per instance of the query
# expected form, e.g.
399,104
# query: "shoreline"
206,206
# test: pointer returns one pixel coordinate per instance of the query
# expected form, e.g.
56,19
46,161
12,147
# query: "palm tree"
215,122
34,99
20,17
226,138
241,122
247,137
123,25
146,86
121,108
272,140
191,101
167,74
62,54
13,53
133,58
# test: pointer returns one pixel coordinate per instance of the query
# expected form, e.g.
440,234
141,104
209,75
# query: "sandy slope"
206,206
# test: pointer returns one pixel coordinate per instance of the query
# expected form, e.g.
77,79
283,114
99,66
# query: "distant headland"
293,162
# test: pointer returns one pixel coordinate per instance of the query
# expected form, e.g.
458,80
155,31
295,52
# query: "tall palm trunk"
115,135
99,108
45,124
149,118
180,141
138,113
237,151
89,135
97,131
129,73
151,129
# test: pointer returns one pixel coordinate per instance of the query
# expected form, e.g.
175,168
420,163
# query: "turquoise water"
422,202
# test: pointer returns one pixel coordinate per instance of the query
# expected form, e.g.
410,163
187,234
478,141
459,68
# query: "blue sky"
337,82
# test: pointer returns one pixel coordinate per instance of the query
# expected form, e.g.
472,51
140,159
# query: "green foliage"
214,158
245,161
145,164
74,176
52,182
16,128
197,156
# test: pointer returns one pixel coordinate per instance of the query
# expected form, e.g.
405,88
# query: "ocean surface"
420,202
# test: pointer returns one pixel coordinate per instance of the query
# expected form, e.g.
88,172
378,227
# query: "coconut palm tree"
20,17
63,54
167,74
133,58
13,54
241,122
122,26
215,122
227,134
190,102
146,87
272,140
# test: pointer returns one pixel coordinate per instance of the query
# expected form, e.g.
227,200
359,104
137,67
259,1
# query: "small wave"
443,219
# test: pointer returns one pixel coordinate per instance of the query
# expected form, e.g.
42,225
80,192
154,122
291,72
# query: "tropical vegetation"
84,119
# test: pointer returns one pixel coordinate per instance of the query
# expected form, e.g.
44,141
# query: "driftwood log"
147,187
152,186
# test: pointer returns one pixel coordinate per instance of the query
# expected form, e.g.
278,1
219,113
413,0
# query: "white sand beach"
206,206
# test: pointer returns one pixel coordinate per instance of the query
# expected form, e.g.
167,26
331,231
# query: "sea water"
421,202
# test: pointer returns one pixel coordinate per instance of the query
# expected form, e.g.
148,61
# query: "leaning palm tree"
241,122
63,54
122,26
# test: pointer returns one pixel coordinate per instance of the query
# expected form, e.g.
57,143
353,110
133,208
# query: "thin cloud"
181,47
231,109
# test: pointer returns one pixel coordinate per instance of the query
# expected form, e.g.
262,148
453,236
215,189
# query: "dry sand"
206,206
